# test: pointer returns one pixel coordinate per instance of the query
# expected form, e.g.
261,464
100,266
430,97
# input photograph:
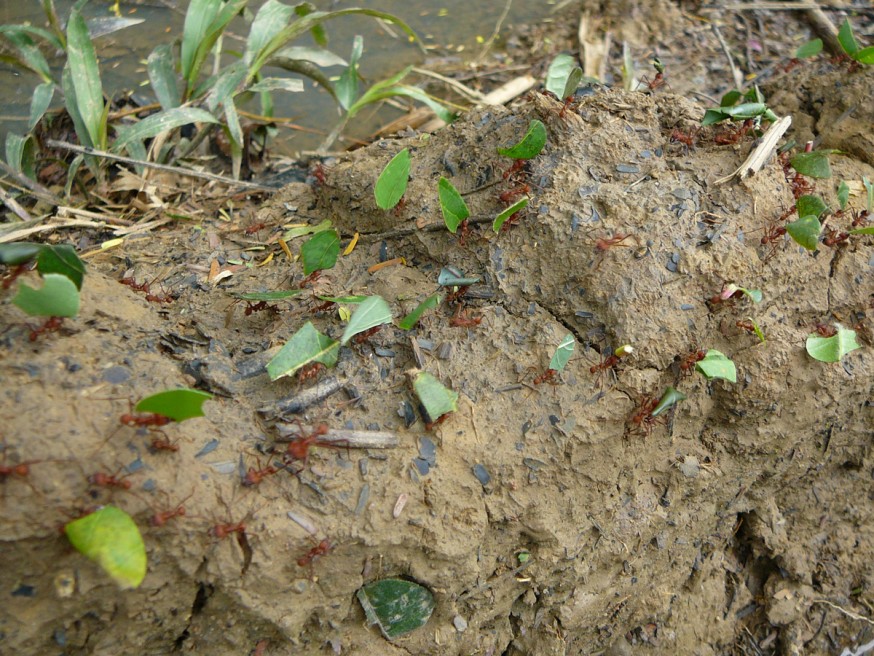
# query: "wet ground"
739,525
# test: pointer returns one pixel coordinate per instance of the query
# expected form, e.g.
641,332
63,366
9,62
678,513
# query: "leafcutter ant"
310,279
316,552
824,330
363,336
102,479
52,324
688,362
299,447
160,518
747,326
659,79
309,371
642,420
733,136
835,238
319,175
254,476
460,319
548,376
13,273
256,227
687,139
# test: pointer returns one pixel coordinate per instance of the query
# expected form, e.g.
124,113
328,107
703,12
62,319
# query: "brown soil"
742,524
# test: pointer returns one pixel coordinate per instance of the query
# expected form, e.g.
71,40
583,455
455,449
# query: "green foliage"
396,606
176,404
716,365
306,345
373,311
392,182
518,206
563,76
669,399
869,194
87,97
60,259
810,206
277,295
848,42
320,252
832,349
530,145
110,537
437,400
58,297
409,321
809,49
453,277
451,204
805,231
563,353
813,164
843,194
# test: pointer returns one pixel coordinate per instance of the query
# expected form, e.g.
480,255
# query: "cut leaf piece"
277,295
436,399
396,606
320,251
452,205
61,259
58,297
410,320
832,349
805,231
716,365
813,164
843,194
530,145
344,299
809,49
563,353
306,345
847,40
19,252
669,399
452,277
372,312
177,404
507,213
563,76
392,182
111,538
863,231
811,205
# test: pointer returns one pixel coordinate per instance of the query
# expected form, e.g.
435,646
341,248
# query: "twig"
491,40
35,188
825,29
354,439
735,74
467,92
161,167
308,397
13,205
846,612
760,155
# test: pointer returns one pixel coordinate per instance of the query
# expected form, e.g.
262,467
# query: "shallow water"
453,25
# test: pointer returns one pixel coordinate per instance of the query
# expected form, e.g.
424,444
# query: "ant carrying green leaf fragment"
530,145
669,399
306,346
437,400
176,404
371,313
409,321
814,163
733,291
392,182
58,297
848,42
832,349
563,77
754,108
320,252
111,537
508,213
716,365
455,210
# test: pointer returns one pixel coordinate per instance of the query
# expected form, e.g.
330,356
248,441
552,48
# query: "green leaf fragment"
809,49
58,297
563,76
530,145
320,252
306,345
372,312
863,231
453,277
805,231
451,204
435,397
669,399
409,321
507,213
110,537
716,365
176,404
563,353
19,252
811,205
843,194
814,164
396,606
278,295
869,194
344,299
61,259
392,182
847,40
865,56
832,349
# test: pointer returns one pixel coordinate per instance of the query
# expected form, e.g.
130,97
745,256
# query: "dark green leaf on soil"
396,606
306,345
320,252
413,317
805,231
58,297
507,213
392,182
451,204
176,404
530,145
813,164
669,399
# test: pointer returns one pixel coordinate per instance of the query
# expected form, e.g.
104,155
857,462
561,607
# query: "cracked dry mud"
740,514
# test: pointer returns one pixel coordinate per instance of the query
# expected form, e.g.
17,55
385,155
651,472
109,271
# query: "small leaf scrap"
813,164
669,399
563,353
518,206
306,345
832,349
530,145
805,231
372,312
58,297
409,321
111,538
392,182
177,404
716,365
396,606
320,252
452,205
437,400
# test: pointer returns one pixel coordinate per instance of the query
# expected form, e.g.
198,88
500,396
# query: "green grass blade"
85,75
161,122
163,77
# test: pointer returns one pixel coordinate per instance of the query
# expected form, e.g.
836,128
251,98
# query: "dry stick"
846,612
161,167
354,439
13,205
491,40
825,29
36,189
760,155
735,74
310,396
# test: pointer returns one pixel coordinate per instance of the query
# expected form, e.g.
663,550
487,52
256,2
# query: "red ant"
252,229
547,376
310,279
317,551
260,648
733,136
255,476
512,220
659,79
309,372
825,331
678,136
687,365
610,362
429,425
109,480
16,271
509,197
362,337
162,517
461,320
402,203
52,324
150,419
603,245
748,326
221,531
516,170
642,419
319,174
567,104
323,307
159,444
159,298
134,285
260,306
835,238
790,65
860,219
299,447
457,296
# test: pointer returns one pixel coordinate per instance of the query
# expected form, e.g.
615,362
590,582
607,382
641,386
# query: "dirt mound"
738,516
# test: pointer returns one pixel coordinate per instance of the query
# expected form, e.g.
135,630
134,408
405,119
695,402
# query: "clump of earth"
541,516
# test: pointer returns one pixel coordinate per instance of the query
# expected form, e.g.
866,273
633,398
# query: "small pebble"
482,474
116,375
627,168
210,446
444,351
687,307
459,623
399,506
428,450
425,344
